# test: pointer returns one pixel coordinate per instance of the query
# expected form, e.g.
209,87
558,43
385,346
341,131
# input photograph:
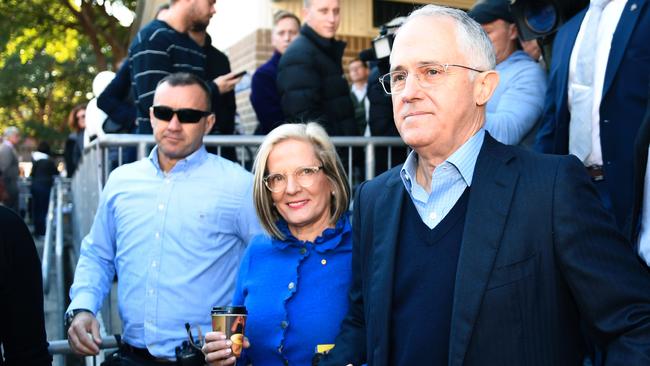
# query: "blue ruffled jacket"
295,293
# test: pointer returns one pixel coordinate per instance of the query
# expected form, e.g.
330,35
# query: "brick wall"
253,50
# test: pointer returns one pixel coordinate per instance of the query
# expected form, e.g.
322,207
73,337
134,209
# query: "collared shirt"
448,181
606,28
175,241
518,101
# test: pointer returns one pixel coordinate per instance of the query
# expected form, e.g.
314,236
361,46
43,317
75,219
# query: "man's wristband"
70,314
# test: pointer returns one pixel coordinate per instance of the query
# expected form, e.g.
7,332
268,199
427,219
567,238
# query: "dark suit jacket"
539,254
623,100
640,163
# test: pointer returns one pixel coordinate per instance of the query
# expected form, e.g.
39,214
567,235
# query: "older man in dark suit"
477,253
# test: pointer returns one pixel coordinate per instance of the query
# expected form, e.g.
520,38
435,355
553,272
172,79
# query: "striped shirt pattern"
157,51
448,181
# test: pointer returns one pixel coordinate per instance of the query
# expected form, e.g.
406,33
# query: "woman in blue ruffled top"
293,281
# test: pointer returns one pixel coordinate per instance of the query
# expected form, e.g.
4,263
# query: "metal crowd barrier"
102,155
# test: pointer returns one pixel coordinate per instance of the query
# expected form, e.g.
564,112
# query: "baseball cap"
487,11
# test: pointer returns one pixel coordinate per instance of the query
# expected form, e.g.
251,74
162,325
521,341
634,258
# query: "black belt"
596,172
143,353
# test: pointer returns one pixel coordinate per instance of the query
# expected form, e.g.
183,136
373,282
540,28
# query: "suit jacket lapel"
563,55
493,185
620,39
387,214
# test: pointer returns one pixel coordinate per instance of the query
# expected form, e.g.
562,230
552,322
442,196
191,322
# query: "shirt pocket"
214,220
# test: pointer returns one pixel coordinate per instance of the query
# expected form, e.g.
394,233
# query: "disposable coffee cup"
231,320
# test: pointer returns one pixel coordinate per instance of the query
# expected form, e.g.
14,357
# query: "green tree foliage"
50,50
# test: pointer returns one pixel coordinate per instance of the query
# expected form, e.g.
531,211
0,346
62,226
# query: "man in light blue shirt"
517,103
173,227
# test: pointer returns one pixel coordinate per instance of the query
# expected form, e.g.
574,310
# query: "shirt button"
433,216
161,207
167,181
153,264
280,349
303,250
151,292
323,261
284,324
157,235
291,285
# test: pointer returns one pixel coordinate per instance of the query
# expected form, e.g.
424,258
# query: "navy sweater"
423,292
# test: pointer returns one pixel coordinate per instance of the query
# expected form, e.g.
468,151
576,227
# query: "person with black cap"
518,101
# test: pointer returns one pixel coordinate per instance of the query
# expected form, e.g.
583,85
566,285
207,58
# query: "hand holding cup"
219,350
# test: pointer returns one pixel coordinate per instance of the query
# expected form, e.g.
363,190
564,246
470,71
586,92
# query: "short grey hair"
471,37
11,131
316,136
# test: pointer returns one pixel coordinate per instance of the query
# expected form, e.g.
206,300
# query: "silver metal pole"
47,245
370,161
61,346
58,250
142,149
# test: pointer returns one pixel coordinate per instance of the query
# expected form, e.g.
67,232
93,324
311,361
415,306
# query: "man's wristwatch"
70,314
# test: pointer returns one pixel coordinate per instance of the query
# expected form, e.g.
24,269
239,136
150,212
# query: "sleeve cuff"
84,301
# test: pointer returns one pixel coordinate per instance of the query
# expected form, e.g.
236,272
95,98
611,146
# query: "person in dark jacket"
117,101
310,74
224,106
380,120
74,145
43,173
265,98
22,323
163,47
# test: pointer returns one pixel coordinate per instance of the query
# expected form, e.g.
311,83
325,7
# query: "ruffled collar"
329,239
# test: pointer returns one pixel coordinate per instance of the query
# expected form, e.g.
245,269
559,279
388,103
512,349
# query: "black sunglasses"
185,115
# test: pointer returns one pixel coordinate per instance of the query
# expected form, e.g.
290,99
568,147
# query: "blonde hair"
324,150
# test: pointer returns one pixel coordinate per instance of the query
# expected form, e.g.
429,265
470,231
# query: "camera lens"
541,18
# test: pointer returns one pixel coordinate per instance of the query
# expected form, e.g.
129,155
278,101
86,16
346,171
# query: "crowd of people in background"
476,247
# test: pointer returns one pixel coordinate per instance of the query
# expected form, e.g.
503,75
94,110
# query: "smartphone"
239,74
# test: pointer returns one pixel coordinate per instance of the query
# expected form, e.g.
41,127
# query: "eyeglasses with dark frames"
426,75
305,177
185,115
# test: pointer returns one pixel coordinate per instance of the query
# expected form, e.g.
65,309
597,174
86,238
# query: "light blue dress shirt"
175,240
448,181
518,101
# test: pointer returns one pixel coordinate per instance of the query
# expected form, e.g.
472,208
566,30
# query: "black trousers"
127,356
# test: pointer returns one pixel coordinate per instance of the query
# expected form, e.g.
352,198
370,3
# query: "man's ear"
152,119
484,86
209,122
513,32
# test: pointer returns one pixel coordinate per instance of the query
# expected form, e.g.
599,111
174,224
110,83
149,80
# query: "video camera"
382,44
539,19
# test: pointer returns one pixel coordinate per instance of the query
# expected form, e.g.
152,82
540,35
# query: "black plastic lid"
229,310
